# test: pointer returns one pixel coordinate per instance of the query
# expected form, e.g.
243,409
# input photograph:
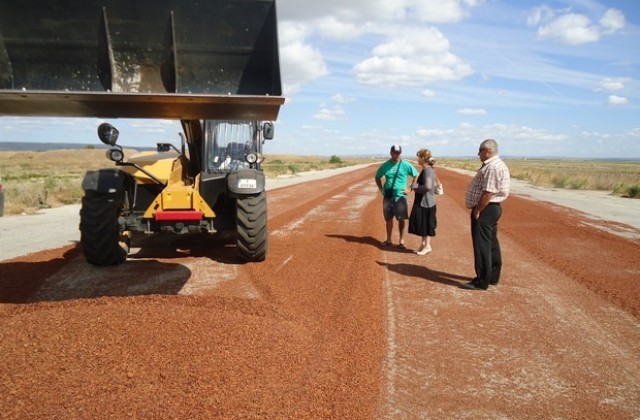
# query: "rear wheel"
100,235
251,227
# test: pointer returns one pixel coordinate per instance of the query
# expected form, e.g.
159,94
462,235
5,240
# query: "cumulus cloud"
501,132
615,100
611,84
330,114
299,62
540,14
303,21
333,28
612,21
414,56
573,28
442,11
512,138
360,11
471,111
340,99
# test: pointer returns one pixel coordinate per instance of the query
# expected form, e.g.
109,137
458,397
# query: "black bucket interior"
208,47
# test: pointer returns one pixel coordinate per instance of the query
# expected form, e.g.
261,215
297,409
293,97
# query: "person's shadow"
369,240
404,269
426,273
364,240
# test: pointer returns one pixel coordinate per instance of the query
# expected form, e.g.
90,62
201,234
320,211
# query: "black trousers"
486,247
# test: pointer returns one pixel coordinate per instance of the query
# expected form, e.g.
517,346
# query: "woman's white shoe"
423,251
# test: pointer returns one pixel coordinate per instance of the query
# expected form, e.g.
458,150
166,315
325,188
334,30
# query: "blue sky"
552,78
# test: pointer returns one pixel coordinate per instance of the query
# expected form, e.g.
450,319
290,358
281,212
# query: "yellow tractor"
211,64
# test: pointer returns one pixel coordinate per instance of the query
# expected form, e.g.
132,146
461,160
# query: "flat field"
34,180
619,177
44,179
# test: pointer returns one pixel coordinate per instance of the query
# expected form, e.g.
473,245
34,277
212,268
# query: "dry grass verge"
619,177
35,180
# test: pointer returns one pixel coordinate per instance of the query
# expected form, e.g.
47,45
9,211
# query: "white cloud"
415,56
612,21
428,93
611,84
441,11
299,62
327,114
332,28
466,133
540,14
471,111
292,32
615,100
572,28
407,56
360,11
414,41
340,99
464,138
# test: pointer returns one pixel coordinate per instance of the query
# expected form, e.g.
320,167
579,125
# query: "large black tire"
100,234
251,227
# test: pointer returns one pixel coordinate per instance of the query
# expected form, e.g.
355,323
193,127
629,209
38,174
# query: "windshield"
228,142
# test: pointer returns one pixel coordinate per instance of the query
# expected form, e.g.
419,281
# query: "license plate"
247,183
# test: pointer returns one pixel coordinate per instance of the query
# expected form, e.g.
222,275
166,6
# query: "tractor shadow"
149,270
220,248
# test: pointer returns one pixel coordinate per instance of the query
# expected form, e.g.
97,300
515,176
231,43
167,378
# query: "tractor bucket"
181,59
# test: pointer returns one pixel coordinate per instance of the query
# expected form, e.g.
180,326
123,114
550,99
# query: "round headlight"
116,155
252,157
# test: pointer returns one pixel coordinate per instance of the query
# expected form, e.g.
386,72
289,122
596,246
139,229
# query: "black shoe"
472,285
493,283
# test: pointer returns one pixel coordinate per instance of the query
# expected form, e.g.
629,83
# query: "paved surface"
52,228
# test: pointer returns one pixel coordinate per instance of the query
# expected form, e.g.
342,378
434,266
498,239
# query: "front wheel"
100,236
251,227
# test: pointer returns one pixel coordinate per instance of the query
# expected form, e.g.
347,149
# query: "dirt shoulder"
597,205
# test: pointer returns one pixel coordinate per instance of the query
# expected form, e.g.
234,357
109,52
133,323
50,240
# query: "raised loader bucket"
183,59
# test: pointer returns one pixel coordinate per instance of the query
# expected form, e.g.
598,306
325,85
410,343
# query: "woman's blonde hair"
424,153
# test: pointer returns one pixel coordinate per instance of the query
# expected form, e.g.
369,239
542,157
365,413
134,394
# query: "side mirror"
163,147
108,134
267,130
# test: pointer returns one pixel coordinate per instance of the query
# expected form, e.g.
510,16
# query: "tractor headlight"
252,158
115,155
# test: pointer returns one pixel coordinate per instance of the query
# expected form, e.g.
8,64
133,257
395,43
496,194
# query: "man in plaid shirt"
488,189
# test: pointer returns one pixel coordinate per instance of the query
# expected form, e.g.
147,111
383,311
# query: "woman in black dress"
422,220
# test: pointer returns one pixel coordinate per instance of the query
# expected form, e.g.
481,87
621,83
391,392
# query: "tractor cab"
234,145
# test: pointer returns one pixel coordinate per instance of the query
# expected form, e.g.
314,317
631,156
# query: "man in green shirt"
396,172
